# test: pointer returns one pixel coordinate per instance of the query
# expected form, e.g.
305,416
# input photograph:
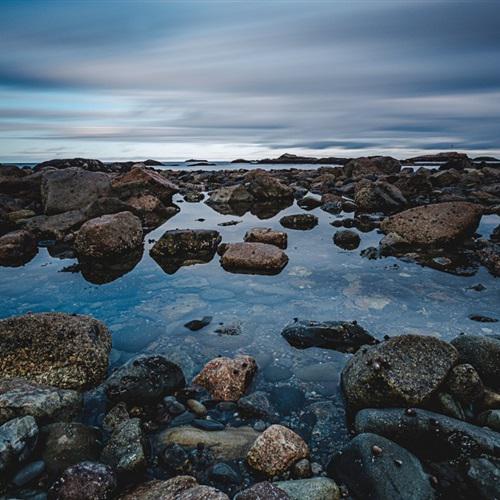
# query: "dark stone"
484,474
299,221
208,425
482,319
257,405
309,203
184,418
348,240
197,324
29,473
223,473
287,399
17,248
277,373
262,491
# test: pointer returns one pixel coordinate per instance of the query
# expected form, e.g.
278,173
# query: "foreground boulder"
17,248
259,258
299,221
108,236
58,349
227,379
404,370
276,450
267,235
343,336
435,225
372,467
316,488
184,247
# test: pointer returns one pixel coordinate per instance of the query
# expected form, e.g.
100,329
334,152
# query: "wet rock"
447,404
109,235
71,189
331,203
184,247
84,163
376,468
196,407
104,206
156,489
257,405
63,350
267,235
17,248
484,474
117,415
197,324
348,240
232,443
193,196
404,370
19,398
287,399
276,450
68,443
141,181
29,473
378,165
317,488
258,258
151,210
126,450
230,195
299,221
224,474
343,336
491,399
208,424
378,197
434,225
465,384
144,380
491,419
262,491
302,469
85,481
429,434
393,244
264,187
482,319
309,202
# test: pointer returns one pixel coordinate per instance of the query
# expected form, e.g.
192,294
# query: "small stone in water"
198,324
302,469
196,407
260,426
182,419
223,473
28,473
376,450
173,406
208,425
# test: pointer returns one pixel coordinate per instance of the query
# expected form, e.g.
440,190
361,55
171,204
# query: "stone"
193,197
309,202
331,203
258,258
491,419
227,379
54,227
144,380
68,443
223,474
151,210
232,443
29,473
68,351
161,490
117,415
126,449
465,384
17,248
435,225
343,336
84,163
483,353
109,235
484,474
346,239
85,481
264,187
276,450
267,235
197,324
404,370
19,398
316,488
373,467
230,195
196,407
257,405
262,491
208,424
302,469
299,221
378,197
71,189
378,165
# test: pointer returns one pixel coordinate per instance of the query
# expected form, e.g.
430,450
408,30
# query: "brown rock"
264,187
276,450
262,491
151,210
227,379
267,235
465,384
302,222
253,258
17,248
379,165
434,225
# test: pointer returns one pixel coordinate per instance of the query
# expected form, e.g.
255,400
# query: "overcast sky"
115,79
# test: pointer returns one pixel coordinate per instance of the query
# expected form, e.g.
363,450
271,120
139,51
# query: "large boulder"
404,370
378,197
17,248
435,225
258,258
374,468
72,188
377,165
264,187
63,350
109,235
267,235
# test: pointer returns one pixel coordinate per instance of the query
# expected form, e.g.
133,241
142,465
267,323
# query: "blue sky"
117,79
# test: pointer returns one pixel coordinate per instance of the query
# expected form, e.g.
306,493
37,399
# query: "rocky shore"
424,414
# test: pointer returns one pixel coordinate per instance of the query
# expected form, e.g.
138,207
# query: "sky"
214,79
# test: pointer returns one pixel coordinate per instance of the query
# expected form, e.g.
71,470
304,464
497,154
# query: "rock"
117,415
346,239
151,210
144,380
164,490
109,235
343,336
393,244
232,443
196,407
83,163
19,398
125,450
258,258
197,324
257,405
425,432
18,438
262,491
378,197
309,202
54,226
85,481
483,353
435,225
378,165
491,419
465,384
208,424
404,370
65,444
302,469
264,187
64,350
374,467
267,235
331,203
231,195
193,197
105,206
223,474
185,247
491,399
299,221
276,450
140,181
484,474
29,473
287,399
317,488
17,248
227,379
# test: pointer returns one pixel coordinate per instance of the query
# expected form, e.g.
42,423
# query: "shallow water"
147,308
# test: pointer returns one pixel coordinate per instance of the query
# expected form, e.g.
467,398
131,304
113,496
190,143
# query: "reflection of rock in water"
262,210
101,271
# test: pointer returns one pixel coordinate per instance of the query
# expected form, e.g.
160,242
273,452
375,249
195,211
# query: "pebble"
196,407
182,419
208,425
223,473
28,473
173,406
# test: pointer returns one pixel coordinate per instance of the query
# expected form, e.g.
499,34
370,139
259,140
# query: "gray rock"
374,468
255,258
317,488
465,384
346,239
257,405
491,419
54,227
17,248
262,491
230,195
29,473
299,221
484,474
378,197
